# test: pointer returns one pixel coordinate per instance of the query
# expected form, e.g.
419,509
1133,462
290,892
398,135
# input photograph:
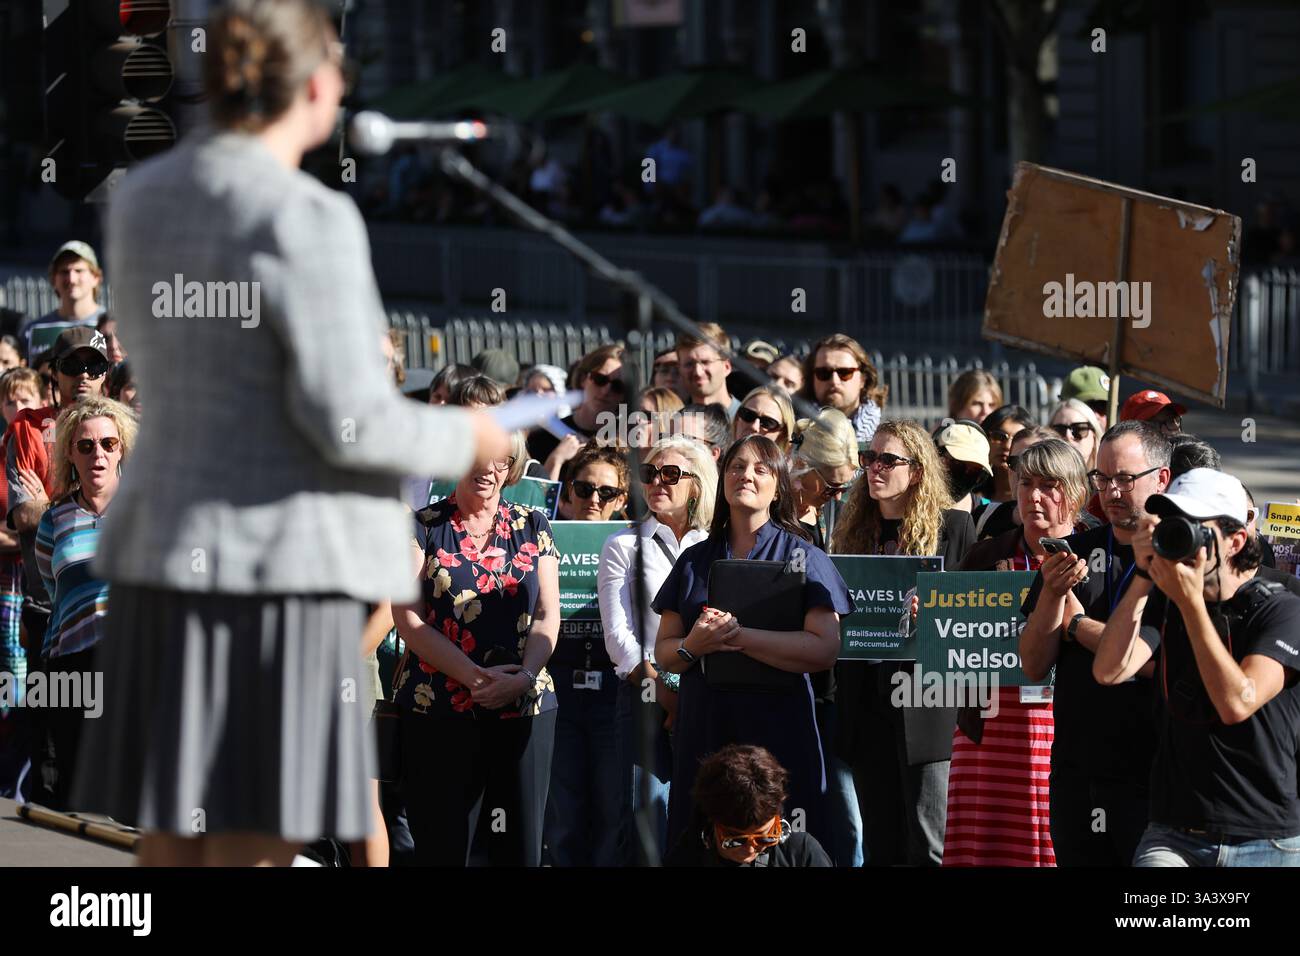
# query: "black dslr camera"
1177,538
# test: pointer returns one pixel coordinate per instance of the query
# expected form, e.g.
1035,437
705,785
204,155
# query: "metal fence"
918,385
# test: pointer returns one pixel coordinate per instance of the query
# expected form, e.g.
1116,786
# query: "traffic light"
107,76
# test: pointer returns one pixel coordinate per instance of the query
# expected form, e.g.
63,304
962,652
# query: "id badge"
1036,694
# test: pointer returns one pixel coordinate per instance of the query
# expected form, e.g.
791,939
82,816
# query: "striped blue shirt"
66,539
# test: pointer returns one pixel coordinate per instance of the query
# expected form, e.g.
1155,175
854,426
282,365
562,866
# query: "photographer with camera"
1224,642
1103,739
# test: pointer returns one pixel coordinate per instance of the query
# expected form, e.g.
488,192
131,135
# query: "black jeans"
63,727
1096,822
453,769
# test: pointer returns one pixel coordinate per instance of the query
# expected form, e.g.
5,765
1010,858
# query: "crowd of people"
226,605
500,715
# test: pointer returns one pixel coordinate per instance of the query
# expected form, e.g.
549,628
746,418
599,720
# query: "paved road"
23,844
1270,465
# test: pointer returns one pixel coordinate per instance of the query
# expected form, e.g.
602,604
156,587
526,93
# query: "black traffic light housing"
107,77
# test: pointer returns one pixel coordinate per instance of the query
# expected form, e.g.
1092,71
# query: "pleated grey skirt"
231,713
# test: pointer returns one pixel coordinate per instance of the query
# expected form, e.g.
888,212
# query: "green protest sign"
969,622
881,589
579,544
534,492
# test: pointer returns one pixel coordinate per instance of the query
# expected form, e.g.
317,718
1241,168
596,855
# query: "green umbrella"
550,94
677,96
851,91
445,93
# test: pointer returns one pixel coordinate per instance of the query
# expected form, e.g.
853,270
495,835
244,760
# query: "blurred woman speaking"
261,511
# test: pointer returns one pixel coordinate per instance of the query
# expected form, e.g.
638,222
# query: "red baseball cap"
1147,405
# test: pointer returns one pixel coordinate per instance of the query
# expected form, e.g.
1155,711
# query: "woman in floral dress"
478,707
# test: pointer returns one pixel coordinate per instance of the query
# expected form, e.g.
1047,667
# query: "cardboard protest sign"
1136,283
534,492
1280,526
970,622
881,589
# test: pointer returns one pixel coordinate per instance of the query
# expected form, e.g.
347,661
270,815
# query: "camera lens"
1178,539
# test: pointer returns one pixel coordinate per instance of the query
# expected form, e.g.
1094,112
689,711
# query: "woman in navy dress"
754,519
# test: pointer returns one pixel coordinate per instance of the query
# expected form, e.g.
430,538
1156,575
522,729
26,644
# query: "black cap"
78,337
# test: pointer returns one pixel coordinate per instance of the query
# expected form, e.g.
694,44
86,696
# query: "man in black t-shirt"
1104,738
1226,647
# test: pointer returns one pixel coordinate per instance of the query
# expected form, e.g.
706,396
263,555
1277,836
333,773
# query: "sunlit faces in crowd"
787,373
765,412
973,395
890,473
666,372
538,383
1075,423
704,372
669,481
1050,487
603,387
9,355
1124,479
750,483
837,379
75,279
595,492
96,453
112,343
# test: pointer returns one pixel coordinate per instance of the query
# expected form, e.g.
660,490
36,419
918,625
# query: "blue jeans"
1166,846
844,816
658,773
588,809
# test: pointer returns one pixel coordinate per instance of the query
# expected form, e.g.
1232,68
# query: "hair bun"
243,60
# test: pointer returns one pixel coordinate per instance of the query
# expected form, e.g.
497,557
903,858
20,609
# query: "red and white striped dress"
998,808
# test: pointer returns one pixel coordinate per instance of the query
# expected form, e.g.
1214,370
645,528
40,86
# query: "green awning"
550,94
1279,101
677,96
446,93
852,91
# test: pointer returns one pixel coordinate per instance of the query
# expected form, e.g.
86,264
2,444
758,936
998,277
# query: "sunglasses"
770,835
825,372
667,474
583,490
503,464
886,460
765,422
998,435
71,365
665,367
830,489
1013,462
602,381
1075,431
87,445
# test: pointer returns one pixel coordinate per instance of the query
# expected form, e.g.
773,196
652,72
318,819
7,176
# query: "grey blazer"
272,443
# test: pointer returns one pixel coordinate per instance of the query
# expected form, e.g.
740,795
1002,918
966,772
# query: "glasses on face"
886,460
830,489
602,381
87,445
999,435
1122,482
73,366
503,464
583,490
1076,430
667,474
665,368
766,423
824,372
769,835
1013,462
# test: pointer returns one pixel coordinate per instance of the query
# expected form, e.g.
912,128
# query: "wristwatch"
684,654
1071,632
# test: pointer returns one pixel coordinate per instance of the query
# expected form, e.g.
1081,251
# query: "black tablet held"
761,594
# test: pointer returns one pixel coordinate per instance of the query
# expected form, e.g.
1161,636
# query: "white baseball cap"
1203,493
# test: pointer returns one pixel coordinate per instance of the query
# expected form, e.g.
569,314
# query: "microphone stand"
643,302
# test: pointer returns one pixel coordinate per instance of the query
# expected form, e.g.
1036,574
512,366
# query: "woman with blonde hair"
824,465
899,755
679,480
92,439
1010,753
973,394
1077,425
767,411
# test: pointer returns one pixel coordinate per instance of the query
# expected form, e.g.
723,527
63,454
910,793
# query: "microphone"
374,134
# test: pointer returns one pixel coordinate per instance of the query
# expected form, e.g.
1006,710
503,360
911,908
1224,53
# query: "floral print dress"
482,600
